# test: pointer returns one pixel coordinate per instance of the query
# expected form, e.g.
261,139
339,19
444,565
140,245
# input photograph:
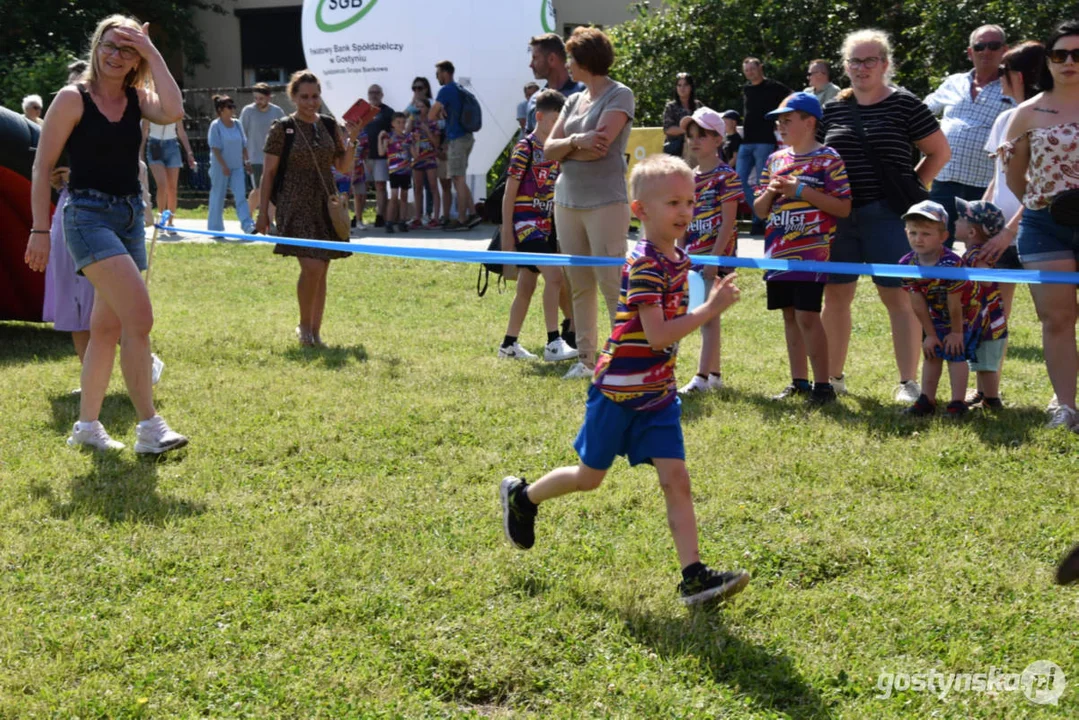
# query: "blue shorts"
873,233
1041,239
610,430
972,336
98,226
170,153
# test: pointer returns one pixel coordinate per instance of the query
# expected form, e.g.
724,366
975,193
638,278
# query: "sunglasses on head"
1060,55
993,45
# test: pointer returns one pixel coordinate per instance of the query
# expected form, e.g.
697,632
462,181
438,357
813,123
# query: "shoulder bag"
902,187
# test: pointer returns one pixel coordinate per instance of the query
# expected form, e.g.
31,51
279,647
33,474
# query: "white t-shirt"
162,132
1003,197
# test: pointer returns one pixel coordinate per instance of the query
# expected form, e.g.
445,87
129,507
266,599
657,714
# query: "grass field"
330,544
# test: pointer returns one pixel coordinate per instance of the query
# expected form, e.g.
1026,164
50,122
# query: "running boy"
528,207
633,408
975,223
714,229
948,310
803,189
394,144
423,135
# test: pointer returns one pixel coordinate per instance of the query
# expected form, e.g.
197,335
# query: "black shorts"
401,182
1009,259
801,295
548,246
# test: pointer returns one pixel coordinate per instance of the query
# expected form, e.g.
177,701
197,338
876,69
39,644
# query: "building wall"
221,33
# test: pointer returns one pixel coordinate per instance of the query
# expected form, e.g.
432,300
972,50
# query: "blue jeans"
945,192
1041,239
752,156
872,233
219,185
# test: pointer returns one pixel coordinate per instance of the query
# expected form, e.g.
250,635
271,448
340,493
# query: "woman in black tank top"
98,119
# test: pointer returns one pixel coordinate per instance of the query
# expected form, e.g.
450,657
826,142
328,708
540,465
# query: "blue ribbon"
1033,277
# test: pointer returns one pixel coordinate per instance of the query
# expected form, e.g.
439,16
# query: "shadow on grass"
334,358
22,342
767,675
119,488
117,412
1026,353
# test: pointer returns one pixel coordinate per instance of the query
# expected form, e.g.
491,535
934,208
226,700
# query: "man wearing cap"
548,53
968,104
256,120
761,96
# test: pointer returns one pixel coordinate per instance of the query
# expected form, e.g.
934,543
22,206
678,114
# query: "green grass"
330,544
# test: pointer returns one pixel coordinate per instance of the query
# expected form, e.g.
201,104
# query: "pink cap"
707,118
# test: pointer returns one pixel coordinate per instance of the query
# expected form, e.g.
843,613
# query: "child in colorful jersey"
714,230
975,223
394,144
424,137
359,179
803,189
633,408
949,311
528,208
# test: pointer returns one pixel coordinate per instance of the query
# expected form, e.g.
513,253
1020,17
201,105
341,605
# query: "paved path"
475,239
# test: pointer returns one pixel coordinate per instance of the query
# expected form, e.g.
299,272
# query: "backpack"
492,204
487,268
288,123
471,118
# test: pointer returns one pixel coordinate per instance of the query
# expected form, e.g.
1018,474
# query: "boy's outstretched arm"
662,333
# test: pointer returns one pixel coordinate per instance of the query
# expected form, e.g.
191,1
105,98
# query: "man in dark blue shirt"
549,63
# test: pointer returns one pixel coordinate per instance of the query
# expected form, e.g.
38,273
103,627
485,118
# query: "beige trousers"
600,232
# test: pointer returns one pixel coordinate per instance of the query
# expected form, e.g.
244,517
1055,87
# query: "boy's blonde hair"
655,167
140,76
922,221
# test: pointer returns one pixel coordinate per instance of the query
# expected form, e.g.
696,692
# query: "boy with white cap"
714,230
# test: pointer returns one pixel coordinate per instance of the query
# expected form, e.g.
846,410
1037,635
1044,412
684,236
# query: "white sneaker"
1063,416
156,369
906,392
558,350
839,384
696,385
715,382
1053,405
154,437
92,435
579,370
514,352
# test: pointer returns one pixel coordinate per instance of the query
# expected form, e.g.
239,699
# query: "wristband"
798,191
39,232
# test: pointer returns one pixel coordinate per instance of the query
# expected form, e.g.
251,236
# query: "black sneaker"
820,397
1068,570
956,409
710,585
975,400
921,407
389,228
353,223
519,524
402,227
380,221
989,403
792,390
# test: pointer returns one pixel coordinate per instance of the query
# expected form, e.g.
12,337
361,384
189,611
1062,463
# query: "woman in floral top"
1043,162
681,105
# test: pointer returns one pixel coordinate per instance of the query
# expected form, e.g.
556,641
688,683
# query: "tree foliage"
709,38
38,38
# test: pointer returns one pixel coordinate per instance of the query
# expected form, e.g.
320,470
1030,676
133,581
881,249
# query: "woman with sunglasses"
228,165
682,104
98,120
1041,160
893,121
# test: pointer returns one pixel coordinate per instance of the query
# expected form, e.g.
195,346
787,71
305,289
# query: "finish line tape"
1029,277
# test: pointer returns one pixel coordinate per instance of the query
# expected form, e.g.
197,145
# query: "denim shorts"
98,226
872,233
170,153
1041,239
610,430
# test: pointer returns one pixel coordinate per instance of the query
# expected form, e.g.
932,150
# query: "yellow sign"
643,142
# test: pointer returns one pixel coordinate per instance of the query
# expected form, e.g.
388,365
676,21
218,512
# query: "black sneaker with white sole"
709,584
519,523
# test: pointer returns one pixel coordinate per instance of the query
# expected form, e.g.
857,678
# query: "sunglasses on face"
993,45
126,52
1061,55
868,63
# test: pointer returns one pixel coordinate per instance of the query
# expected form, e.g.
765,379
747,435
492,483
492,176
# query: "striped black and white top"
891,127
